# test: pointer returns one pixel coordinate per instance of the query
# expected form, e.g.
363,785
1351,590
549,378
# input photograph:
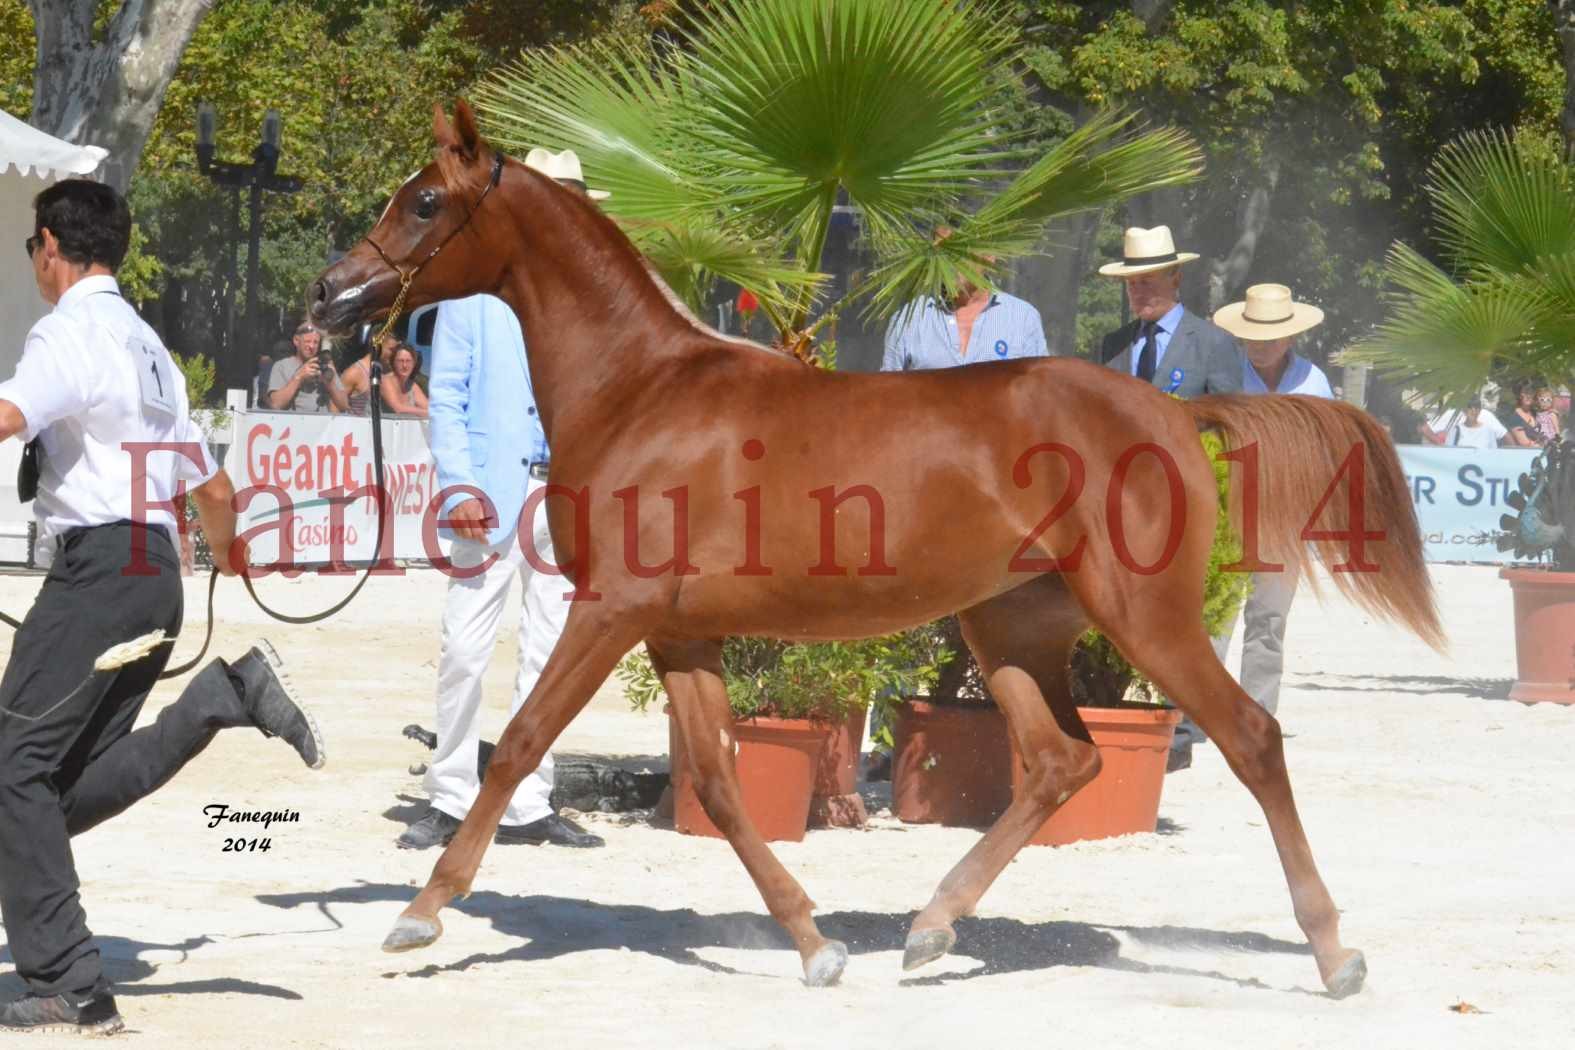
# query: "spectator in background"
1164,344
1478,429
1267,324
1436,430
976,325
258,388
306,381
1521,422
1548,423
357,377
402,392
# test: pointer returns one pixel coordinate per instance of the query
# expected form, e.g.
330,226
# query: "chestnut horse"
1032,498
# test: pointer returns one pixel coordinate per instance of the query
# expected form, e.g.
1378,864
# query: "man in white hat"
1268,322
1164,344
487,438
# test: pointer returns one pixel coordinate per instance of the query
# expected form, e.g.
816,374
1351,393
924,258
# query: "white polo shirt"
94,376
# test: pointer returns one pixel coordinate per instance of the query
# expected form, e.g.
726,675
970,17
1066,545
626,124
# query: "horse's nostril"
320,292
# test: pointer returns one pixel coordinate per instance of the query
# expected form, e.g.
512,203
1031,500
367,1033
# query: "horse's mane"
460,175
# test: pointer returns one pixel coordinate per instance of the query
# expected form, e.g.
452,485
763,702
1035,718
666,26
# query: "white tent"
29,161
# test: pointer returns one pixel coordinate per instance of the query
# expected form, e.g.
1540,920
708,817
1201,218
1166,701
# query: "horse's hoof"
825,967
411,932
925,946
1347,980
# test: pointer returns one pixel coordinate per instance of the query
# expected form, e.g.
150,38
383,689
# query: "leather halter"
406,278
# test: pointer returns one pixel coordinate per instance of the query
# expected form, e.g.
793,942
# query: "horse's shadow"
123,964
1423,685
557,926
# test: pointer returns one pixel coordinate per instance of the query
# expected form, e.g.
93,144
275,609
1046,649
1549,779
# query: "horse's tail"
1303,445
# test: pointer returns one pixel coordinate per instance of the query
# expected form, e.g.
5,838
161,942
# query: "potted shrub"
1544,527
799,714
1129,721
950,747
1499,310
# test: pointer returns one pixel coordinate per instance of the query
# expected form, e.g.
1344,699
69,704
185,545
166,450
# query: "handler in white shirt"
95,382
1267,323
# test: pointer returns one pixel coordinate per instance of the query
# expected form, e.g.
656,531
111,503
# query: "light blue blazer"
484,425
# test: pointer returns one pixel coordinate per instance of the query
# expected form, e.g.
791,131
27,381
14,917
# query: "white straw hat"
1144,251
565,167
1268,313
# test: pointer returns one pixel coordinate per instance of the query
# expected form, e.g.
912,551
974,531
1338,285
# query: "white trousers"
1263,642
470,630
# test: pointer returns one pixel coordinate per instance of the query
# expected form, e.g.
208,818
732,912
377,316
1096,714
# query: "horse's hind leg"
1021,640
1179,659
691,671
585,655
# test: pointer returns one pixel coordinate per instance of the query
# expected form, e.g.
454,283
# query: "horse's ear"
442,130
465,128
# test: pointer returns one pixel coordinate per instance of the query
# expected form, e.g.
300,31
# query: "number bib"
153,376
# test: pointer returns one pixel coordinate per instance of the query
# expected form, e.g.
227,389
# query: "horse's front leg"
585,655
692,675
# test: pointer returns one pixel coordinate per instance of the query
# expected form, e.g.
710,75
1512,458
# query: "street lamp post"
259,176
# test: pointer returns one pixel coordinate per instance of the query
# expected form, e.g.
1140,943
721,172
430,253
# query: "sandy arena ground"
1440,813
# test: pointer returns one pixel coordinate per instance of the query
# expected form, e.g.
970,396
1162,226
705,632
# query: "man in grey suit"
1164,344
1176,351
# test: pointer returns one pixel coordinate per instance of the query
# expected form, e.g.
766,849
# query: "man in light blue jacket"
491,454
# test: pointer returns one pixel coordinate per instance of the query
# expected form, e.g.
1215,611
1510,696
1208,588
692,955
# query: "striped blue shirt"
923,335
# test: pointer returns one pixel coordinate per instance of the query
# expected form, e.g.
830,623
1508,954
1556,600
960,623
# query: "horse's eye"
426,204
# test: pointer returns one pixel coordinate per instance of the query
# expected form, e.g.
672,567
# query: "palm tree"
1504,218
728,145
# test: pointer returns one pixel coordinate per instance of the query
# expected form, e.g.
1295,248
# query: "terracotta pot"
1544,635
949,764
837,803
1124,798
776,760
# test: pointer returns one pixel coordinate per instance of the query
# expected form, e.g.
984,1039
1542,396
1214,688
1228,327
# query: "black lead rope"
374,404
382,520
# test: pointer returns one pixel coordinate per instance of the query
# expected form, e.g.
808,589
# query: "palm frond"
1500,206
1099,164
886,99
615,106
1463,331
689,255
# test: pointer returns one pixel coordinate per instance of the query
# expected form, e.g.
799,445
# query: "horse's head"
432,235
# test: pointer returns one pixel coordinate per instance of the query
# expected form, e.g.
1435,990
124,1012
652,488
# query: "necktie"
1147,359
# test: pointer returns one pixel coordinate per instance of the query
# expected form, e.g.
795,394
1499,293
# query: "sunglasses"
32,244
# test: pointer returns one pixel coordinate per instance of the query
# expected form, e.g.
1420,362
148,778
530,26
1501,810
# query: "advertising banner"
1459,495
304,483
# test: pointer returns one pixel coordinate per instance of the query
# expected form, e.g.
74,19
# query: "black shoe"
272,706
549,830
434,829
89,1013
1180,753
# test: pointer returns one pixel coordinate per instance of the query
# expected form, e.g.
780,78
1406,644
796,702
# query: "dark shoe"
87,1013
549,830
434,829
878,766
272,707
1180,753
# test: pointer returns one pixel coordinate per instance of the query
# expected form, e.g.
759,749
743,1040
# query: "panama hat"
565,167
1144,251
1268,313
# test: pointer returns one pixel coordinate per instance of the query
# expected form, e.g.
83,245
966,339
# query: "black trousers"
66,767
